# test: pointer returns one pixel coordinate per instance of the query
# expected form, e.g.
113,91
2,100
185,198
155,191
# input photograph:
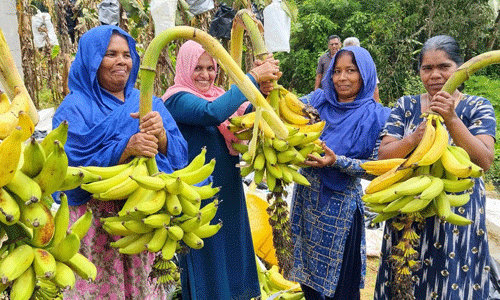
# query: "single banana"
82,224
24,285
274,170
415,205
82,266
206,191
127,186
72,180
379,167
423,147
457,186
4,102
109,172
280,145
259,161
43,234
173,186
453,166
44,263
87,176
192,240
138,245
269,154
442,205
189,193
137,226
158,240
66,249
397,204
241,148
188,207
60,133
34,214
153,205
433,190
294,103
168,249
455,219
463,157
290,116
387,179
10,153
16,262
125,241
384,217
138,196
198,175
383,196
414,185
9,209
157,220
208,212
259,176
310,137
61,220
9,119
316,127
173,205
106,184
64,278
271,181
34,158
438,146
149,182
286,156
286,173
458,200
195,164
437,169
207,230
54,169
191,223
175,232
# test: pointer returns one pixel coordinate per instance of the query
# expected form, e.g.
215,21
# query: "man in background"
334,45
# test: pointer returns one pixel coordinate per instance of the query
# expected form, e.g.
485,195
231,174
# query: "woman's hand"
319,162
444,104
266,87
266,70
141,144
151,123
417,135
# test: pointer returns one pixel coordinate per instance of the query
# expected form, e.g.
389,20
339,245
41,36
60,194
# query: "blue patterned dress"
455,259
320,228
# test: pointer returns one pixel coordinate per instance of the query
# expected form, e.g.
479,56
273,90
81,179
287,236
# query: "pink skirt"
118,276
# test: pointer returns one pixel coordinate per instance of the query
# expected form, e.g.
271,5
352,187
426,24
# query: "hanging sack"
197,7
222,22
276,28
109,12
43,30
163,13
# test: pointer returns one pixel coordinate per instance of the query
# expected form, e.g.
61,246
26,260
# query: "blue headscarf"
352,128
100,124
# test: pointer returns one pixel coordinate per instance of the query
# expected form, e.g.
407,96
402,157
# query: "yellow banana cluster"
273,284
161,210
432,180
41,262
276,160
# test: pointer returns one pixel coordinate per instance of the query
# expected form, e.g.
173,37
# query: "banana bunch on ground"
162,212
273,284
41,262
435,180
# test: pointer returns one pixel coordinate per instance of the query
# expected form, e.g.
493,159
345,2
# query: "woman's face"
116,64
346,78
204,73
435,70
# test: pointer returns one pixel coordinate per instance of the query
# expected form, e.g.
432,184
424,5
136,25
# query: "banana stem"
255,32
468,68
215,49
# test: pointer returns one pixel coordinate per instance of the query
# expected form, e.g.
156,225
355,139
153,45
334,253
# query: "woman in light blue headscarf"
327,217
104,130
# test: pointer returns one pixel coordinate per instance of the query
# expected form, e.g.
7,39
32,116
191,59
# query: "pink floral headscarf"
187,59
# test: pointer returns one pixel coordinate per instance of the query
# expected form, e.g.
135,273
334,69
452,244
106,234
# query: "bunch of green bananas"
277,160
41,262
273,284
433,180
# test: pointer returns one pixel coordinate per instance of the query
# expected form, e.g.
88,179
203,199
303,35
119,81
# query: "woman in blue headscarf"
104,130
327,217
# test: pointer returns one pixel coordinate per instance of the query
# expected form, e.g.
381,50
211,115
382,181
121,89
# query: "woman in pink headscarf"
225,267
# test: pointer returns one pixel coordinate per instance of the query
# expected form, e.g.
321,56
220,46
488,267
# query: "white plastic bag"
43,30
197,7
276,28
109,12
163,13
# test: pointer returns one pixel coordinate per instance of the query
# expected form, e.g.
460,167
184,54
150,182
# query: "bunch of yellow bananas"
278,160
273,284
41,262
160,210
432,180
